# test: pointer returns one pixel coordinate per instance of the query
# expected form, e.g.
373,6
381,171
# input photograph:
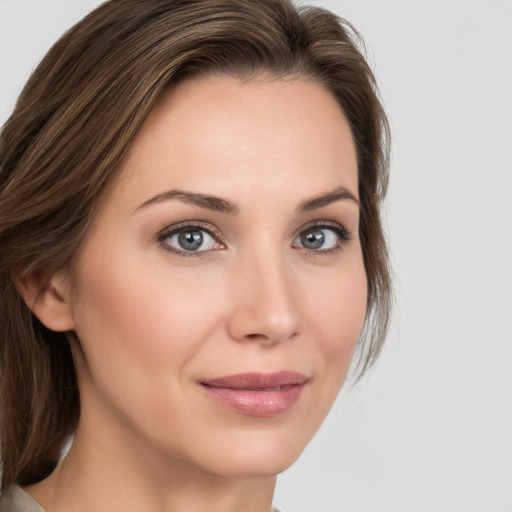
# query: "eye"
322,238
189,239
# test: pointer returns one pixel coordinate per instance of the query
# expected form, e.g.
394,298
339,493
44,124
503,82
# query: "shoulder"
15,499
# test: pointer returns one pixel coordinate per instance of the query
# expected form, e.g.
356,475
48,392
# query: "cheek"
336,309
336,312
131,318
141,331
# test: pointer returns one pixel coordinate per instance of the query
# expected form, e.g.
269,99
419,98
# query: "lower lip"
263,403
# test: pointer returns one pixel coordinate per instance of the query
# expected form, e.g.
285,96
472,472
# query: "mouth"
257,394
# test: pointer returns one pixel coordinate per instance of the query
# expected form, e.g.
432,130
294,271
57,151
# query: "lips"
257,394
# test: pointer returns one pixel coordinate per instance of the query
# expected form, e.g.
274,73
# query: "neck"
87,480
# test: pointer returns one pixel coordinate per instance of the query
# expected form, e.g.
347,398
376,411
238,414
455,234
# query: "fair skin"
262,280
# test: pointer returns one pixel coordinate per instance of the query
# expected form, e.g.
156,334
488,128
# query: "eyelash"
187,226
343,235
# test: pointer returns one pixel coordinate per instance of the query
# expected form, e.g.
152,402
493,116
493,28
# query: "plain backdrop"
430,429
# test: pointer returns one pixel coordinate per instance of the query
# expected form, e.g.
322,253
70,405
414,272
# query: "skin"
152,322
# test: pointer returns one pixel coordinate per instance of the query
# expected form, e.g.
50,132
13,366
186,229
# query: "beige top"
15,499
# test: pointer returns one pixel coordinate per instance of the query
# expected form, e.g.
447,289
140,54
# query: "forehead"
210,134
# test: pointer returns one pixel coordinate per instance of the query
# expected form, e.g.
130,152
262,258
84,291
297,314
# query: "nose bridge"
263,307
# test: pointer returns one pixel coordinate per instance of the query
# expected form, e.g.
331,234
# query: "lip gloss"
257,394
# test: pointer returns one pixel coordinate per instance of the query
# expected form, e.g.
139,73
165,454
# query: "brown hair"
72,125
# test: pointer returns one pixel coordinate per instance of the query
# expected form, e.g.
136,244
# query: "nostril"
267,340
257,337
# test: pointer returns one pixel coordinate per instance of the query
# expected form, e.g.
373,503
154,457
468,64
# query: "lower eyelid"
172,231
343,234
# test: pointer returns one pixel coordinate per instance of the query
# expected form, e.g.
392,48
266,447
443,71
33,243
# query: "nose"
263,300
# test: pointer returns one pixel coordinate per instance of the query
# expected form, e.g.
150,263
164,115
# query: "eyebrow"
320,201
202,200
224,206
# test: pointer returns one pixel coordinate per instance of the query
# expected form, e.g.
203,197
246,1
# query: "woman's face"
221,289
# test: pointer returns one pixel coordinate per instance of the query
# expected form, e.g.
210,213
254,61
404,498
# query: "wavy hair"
70,129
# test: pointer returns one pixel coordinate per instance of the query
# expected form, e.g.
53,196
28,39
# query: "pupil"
190,240
313,239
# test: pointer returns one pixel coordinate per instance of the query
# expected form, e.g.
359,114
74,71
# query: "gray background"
430,429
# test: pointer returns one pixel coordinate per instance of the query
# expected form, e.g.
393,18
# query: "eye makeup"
191,236
322,238
198,238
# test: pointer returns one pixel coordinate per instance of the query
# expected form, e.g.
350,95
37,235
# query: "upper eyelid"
175,228
323,224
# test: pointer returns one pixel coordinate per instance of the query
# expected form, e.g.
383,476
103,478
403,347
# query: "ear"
49,299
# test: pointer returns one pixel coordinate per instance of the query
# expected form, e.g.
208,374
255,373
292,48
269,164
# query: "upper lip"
257,381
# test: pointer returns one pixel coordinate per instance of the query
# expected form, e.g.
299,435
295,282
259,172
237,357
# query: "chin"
250,465
253,453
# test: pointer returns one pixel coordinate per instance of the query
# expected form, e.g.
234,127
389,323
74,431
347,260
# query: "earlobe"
49,299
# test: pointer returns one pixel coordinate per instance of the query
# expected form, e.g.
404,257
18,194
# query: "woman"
190,248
